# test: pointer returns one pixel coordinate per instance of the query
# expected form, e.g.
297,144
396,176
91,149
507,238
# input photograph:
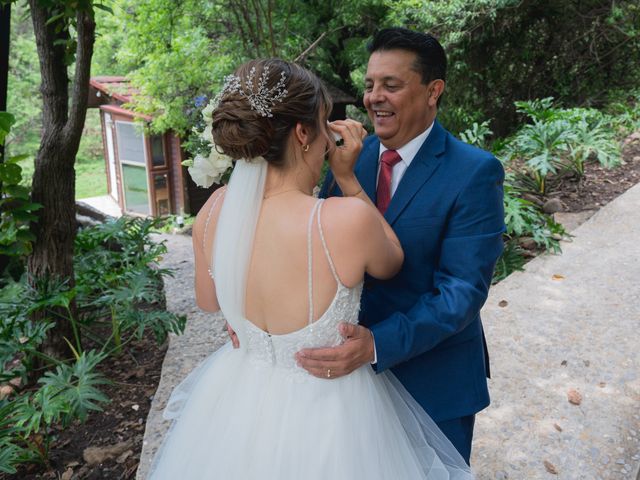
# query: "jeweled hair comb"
260,96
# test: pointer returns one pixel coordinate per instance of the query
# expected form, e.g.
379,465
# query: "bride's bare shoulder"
208,212
348,214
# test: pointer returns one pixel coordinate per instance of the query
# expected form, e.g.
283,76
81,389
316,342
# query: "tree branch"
304,54
271,36
243,35
247,18
257,7
86,30
51,52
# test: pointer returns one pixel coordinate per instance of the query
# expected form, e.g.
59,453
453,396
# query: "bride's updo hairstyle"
240,131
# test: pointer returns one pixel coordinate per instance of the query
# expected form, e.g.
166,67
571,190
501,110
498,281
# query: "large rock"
553,205
97,455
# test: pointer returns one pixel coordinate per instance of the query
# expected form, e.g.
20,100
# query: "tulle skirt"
236,419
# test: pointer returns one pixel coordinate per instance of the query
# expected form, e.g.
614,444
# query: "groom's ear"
435,89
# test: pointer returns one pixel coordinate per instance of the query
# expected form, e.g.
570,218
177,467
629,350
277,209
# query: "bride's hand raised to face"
342,159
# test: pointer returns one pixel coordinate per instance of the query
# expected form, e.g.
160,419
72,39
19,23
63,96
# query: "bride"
286,269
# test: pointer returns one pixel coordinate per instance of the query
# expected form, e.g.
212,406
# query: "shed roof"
119,88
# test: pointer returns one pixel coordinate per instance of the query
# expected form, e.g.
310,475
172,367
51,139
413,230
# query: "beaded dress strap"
326,250
213,206
310,257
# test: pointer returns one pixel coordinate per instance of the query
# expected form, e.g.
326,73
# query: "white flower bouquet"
207,170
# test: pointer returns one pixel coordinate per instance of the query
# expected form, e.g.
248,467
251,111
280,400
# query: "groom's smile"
395,97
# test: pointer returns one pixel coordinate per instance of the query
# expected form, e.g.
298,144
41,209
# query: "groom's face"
395,97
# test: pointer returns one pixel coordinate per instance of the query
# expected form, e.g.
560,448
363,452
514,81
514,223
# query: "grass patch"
91,178
91,175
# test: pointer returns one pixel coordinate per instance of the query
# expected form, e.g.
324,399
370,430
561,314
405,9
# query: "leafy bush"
511,260
477,135
501,51
119,295
560,141
624,113
19,336
556,142
118,278
523,218
16,209
541,145
66,394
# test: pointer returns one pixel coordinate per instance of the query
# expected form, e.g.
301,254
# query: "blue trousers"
459,431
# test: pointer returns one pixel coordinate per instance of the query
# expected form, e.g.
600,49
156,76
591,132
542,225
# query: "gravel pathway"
563,331
567,329
201,337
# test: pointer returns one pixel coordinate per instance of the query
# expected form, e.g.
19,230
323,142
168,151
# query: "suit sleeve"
471,246
329,187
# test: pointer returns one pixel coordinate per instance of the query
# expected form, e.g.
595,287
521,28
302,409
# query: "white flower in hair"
208,111
205,171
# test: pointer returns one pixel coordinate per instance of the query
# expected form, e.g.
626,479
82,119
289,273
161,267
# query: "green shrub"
523,218
16,210
560,141
119,279
66,394
119,294
511,260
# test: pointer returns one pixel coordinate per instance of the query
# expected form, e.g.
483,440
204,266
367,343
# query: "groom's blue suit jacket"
448,214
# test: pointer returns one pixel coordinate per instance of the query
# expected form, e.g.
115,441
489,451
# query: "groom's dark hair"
431,61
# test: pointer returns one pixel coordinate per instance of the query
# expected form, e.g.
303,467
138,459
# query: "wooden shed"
145,175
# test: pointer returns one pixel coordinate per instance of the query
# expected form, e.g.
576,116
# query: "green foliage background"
581,52
546,85
502,53
25,101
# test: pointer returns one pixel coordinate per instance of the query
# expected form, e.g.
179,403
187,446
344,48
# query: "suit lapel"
418,173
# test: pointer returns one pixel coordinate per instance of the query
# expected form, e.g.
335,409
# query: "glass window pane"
157,152
130,142
136,194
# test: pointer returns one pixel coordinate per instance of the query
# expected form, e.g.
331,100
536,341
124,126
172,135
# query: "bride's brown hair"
240,131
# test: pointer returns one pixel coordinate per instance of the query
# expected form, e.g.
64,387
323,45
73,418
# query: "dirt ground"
135,375
600,185
119,430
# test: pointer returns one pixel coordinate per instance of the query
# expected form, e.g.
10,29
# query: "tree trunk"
5,24
54,177
5,35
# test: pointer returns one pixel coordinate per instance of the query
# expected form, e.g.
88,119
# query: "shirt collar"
409,150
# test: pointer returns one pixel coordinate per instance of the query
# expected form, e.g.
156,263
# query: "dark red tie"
383,195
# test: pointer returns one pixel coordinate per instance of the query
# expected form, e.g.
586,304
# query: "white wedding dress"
252,413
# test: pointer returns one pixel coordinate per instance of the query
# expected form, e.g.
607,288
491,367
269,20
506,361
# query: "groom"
443,198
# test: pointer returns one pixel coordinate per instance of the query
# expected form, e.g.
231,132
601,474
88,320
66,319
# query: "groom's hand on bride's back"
232,335
334,362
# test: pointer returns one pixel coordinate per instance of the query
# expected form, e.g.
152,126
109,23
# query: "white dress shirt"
407,153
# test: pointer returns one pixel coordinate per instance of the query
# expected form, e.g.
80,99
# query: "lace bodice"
279,350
